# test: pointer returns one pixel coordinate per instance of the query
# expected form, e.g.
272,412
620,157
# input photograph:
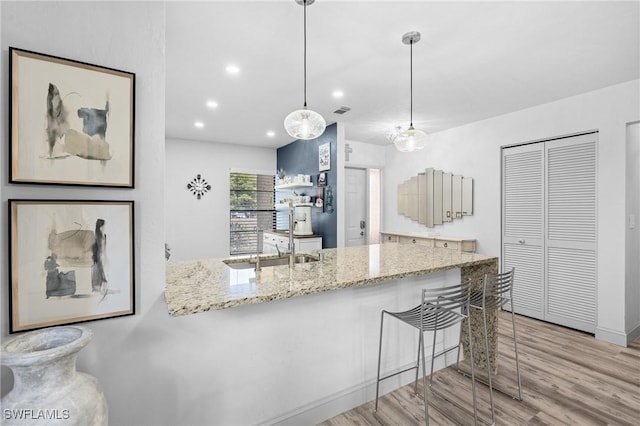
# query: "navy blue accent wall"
301,157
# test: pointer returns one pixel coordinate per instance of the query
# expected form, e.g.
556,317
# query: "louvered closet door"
571,232
523,225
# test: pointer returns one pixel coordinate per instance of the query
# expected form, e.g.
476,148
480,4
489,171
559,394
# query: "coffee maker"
302,217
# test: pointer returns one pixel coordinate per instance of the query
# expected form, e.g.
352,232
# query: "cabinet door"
523,226
451,245
388,238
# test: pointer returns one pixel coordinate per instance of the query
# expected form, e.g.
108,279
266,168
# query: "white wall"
633,235
474,150
340,186
127,354
195,228
366,155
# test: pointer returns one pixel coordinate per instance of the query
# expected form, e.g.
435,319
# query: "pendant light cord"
411,83
305,53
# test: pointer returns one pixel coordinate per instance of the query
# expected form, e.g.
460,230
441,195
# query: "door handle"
362,224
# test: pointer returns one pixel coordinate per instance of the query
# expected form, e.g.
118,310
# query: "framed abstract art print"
70,261
72,123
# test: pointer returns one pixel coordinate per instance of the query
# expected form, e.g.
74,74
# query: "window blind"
251,201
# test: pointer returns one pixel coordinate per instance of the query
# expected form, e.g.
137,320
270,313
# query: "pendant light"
305,123
410,140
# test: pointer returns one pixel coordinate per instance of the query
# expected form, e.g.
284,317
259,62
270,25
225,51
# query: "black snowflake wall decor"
198,186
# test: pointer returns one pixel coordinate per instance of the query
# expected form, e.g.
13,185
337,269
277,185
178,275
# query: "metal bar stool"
497,290
441,308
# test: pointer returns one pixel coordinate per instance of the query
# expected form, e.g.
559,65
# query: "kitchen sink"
269,261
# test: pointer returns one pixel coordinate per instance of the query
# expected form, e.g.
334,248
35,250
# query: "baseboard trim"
633,334
341,401
611,336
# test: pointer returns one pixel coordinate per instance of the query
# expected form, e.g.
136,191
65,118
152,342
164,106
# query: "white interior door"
356,207
571,232
523,226
549,229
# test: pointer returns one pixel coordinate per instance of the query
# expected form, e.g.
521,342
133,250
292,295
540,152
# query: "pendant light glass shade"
304,123
410,140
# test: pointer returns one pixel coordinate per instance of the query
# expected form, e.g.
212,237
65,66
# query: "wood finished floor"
568,378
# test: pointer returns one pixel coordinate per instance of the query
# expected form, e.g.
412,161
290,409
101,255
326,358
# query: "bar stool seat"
439,309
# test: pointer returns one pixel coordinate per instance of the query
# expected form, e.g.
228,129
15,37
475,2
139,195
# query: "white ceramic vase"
47,389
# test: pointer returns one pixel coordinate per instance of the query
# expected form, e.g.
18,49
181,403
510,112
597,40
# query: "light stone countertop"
208,284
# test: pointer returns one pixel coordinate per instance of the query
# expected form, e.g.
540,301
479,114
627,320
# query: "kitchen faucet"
258,249
292,249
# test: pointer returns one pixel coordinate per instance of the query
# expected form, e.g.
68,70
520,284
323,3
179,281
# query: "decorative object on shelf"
87,136
46,383
319,202
83,275
434,197
324,157
410,140
304,123
281,174
293,182
198,186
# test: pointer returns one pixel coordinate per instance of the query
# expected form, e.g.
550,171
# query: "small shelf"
294,185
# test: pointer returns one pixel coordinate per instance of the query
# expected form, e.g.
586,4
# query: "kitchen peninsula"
395,271
201,285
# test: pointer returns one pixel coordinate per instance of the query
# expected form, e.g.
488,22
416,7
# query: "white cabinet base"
459,244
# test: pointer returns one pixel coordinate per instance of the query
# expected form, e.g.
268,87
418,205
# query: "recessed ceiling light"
212,104
271,133
337,93
199,124
232,69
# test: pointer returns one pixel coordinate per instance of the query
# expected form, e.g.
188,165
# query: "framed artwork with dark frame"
63,268
322,179
71,123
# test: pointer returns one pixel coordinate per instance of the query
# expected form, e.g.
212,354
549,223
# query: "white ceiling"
476,60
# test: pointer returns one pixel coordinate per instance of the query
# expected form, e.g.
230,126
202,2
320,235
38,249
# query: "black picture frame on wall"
322,179
63,268
71,123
